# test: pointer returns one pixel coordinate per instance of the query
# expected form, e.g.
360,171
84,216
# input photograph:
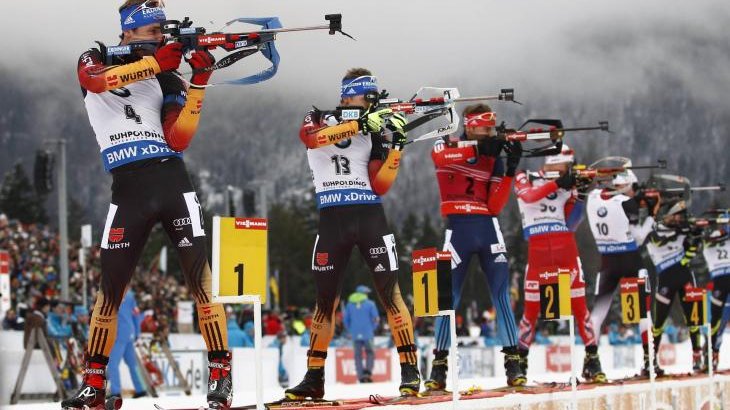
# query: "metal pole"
710,370
258,353
63,218
652,374
228,200
263,190
84,297
573,366
453,359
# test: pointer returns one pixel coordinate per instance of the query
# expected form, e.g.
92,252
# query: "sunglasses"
147,5
485,119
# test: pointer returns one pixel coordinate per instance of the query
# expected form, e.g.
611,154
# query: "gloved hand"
395,123
200,60
514,154
691,244
168,56
490,147
566,181
689,254
372,121
584,186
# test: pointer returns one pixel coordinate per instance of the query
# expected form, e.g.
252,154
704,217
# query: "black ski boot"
311,387
220,382
592,372
367,377
698,363
523,354
113,402
92,392
658,371
410,380
439,369
513,368
715,360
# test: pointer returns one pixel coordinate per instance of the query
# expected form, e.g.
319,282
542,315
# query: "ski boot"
658,371
366,377
439,368
592,372
113,402
410,380
715,360
513,367
92,392
220,383
698,361
523,354
311,387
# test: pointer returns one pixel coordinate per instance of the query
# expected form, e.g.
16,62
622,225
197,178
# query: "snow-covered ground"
343,391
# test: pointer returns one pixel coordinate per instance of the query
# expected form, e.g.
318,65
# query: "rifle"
427,109
239,45
659,192
708,222
590,172
554,133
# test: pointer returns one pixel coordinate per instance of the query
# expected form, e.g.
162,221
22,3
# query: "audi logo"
181,222
378,251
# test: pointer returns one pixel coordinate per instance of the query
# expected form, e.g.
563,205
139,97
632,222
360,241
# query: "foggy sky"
565,49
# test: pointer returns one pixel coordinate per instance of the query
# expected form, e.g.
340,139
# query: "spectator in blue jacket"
59,321
128,330
360,319
248,333
279,342
236,337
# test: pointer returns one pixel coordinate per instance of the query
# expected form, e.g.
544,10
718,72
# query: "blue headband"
140,15
358,86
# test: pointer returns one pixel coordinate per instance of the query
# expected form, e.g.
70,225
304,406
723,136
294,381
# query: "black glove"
399,139
490,147
395,124
514,154
691,244
583,185
566,181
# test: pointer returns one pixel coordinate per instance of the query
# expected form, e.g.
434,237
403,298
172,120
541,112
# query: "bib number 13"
342,164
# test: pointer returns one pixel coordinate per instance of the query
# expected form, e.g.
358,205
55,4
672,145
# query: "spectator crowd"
34,277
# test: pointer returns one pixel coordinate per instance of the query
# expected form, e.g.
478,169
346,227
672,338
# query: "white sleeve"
641,231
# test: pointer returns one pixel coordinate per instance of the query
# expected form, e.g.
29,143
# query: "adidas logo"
379,268
500,259
184,242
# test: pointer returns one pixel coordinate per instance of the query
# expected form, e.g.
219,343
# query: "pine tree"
18,198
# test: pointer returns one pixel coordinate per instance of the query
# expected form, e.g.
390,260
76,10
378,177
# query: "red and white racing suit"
547,214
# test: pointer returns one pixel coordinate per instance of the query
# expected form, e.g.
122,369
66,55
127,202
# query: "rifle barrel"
697,188
645,167
287,30
482,98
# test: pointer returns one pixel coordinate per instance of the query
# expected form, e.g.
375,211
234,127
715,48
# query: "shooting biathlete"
144,117
352,164
716,251
551,210
672,245
475,187
614,218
